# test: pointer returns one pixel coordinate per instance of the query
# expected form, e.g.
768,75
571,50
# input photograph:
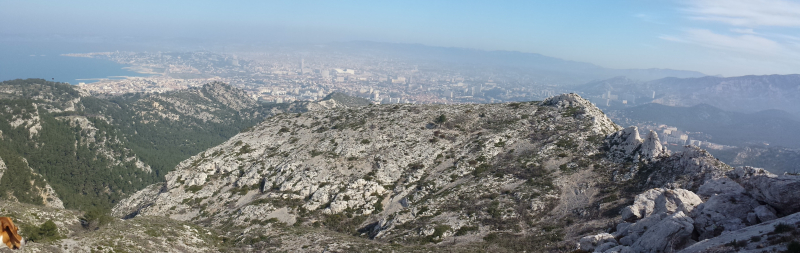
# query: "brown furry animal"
9,234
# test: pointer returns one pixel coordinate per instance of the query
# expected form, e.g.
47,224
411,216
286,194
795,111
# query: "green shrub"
95,218
378,205
48,231
194,188
480,169
465,230
441,119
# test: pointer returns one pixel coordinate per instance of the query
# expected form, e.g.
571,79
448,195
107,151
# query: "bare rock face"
651,146
590,243
393,171
671,219
3,168
677,200
599,122
764,213
781,192
626,145
660,200
643,205
661,224
719,186
234,98
753,238
688,169
725,212
673,232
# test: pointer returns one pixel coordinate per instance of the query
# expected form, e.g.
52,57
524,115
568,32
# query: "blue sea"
44,60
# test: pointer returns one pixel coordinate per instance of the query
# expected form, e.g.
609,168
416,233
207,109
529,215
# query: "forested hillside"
93,151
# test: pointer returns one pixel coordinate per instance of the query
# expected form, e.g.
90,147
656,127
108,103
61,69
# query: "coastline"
145,71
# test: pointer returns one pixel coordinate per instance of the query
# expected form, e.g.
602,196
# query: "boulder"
765,213
725,212
668,235
633,232
589,243
781,192
719,186
678,200
619,249
659,200
606,246
688,169
643,205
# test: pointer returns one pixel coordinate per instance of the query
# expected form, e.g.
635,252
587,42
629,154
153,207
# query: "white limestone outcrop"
626,145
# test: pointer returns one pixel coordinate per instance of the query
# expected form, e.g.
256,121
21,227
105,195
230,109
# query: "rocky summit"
347,176
532,176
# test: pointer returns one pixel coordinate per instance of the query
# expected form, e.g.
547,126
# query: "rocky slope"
533,176
89,151
346,176
744,210
146,234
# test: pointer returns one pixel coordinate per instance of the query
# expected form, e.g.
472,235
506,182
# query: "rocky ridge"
400,173
731,210
503,175
510,177
135,137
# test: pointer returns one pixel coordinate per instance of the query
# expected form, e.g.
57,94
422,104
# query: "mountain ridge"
109,146
552,68
741,94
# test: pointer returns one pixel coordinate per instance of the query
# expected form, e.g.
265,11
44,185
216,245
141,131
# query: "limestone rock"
669,234
719,186
626,145
643,205
632,233
725,212
600,123
619,249
589,243
651,146
687,169
678,200
765,213
606,246
391,170
781,192
3,167
660,200
718,244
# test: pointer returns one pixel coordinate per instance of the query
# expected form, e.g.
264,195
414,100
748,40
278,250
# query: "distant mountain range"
741,94
747,131
731,128
554,70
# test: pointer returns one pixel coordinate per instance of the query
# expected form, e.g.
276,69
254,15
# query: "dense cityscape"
287,77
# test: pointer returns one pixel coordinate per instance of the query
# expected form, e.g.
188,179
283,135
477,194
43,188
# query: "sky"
716,37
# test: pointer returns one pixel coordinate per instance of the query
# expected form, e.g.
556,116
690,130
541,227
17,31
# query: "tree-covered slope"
93,151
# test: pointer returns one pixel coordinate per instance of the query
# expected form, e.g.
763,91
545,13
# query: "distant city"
286,77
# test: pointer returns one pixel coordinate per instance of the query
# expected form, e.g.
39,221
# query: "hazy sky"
716,37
